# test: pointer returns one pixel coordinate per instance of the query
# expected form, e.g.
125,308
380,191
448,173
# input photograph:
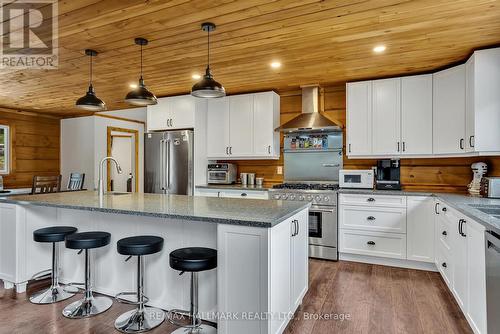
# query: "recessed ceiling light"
196,76
133,85
379,48
275,64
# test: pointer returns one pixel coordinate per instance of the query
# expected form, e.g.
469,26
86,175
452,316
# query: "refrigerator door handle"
162,160
168,164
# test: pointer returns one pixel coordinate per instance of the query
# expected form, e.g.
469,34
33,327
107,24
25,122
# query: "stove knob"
284,196
326,199
309,197
318,198
277,196
292,197
301,198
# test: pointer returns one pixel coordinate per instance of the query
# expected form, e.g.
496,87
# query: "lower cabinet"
460,259
231,193
420,228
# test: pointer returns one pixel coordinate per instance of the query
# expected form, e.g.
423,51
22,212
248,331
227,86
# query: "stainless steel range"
322,215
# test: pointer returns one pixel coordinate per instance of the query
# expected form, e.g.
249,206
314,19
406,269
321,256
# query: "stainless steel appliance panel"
313,165
323,236
178,156
493,281
153,178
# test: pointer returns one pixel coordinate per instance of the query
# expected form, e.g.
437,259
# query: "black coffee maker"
388,176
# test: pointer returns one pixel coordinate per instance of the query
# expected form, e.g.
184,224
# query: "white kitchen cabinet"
299,260
172,113
416,115
459,258
386,117
359,118
483,101
218,128
449,111
476,274
266,115
420,228
241,125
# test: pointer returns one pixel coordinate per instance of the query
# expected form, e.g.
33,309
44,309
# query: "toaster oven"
223,173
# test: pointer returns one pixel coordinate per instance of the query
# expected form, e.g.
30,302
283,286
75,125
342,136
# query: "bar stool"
89,305
193,260
142,318
55,293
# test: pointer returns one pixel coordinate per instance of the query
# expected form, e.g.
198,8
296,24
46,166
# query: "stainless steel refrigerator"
168,162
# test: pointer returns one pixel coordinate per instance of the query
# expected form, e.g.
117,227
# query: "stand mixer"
479,169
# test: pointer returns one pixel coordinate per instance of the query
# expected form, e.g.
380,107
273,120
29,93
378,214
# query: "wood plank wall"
35,142
440,175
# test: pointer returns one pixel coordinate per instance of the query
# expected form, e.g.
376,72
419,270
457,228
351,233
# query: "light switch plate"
279,170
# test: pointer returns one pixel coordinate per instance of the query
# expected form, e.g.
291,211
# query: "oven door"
323,226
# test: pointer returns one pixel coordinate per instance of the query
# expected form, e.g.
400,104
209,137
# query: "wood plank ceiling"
326,42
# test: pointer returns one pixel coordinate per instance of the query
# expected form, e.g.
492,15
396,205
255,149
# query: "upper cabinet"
242,127
449,111
454,112
171,113
359,118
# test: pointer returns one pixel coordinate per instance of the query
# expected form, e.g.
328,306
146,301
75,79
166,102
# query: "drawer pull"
370,218
371,243
371,199
244,194
444,265
444,233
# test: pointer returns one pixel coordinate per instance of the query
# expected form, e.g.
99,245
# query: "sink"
492,210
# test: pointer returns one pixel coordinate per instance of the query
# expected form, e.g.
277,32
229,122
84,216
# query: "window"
4,149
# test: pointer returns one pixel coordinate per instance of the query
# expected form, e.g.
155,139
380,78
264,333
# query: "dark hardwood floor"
371,298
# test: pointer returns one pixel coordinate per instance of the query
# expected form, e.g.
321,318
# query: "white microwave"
356,178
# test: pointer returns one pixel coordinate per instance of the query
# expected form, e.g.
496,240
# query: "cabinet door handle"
269,149
171,122
444,233
461,143
444,265
371,243
398,146
471,138
227,150
460,226
298,227
370,218
436,208
371,199
230,150
349,148
462,222
404,146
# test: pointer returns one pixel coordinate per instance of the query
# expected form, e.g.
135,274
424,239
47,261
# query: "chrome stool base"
87,307
51,295
139,321
202,329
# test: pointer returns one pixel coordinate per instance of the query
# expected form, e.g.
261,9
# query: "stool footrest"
119,298
183,313
41,275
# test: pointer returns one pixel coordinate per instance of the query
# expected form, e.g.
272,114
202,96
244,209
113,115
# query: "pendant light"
141,96
90,101
207,86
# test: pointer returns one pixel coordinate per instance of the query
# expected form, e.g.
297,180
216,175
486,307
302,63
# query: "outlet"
279,170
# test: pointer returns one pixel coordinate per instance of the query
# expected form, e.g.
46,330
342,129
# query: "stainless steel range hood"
310,119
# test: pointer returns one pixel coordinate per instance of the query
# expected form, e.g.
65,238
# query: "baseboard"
409,264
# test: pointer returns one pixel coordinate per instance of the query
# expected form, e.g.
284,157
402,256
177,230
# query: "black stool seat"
53,233
140,245
193,259
87,240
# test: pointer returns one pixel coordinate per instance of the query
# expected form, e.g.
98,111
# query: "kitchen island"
262,270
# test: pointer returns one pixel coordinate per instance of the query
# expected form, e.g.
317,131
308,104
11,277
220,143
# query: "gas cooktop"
307,186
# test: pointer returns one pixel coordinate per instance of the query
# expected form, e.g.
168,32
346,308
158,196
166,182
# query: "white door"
158,116
459,254
449,111
359,118
241,125
218,128
476,280
122,150
420,229
416,114
470,100
263,120
299,260
182,110
387,117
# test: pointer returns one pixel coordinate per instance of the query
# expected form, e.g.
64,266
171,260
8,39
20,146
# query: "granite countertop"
235,186
248,212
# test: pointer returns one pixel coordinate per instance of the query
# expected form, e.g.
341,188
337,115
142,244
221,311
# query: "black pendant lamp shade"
207,86
90,101
141,96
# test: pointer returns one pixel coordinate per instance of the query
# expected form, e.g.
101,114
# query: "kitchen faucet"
100,185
